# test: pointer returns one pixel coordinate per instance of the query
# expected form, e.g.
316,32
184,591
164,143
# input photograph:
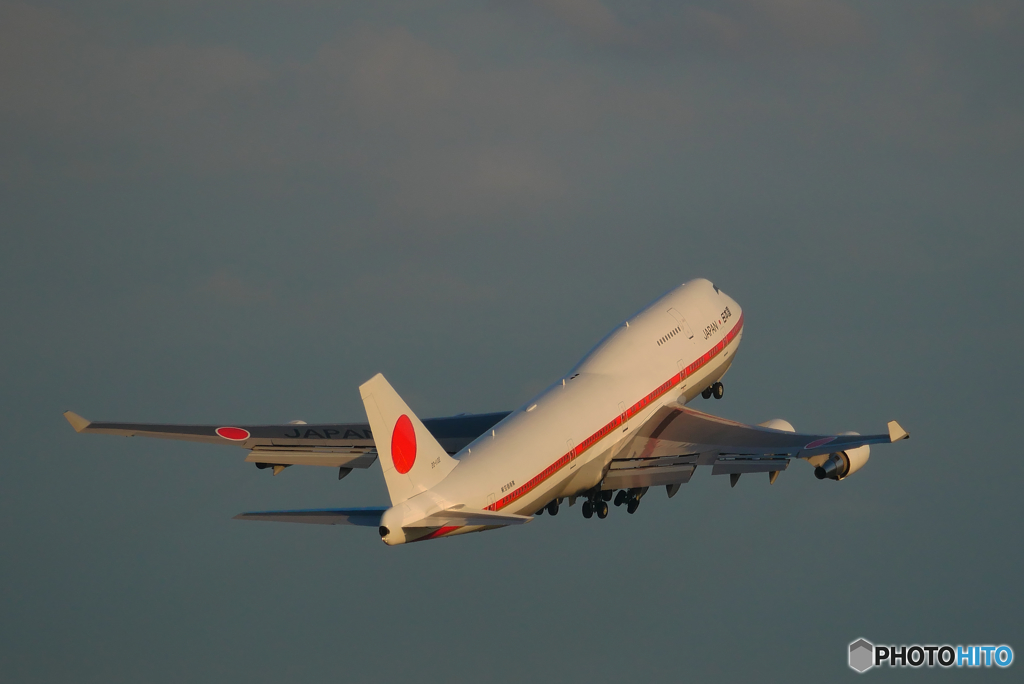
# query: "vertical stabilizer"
410,457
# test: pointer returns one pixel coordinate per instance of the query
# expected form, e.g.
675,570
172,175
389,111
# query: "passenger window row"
672,333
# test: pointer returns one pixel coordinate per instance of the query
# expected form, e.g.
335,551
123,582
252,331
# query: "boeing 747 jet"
614,426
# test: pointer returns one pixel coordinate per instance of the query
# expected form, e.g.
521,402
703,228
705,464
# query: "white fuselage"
560,443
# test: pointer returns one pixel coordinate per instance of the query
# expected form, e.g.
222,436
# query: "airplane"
614,426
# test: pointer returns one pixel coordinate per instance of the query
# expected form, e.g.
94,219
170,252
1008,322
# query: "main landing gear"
552,507
630,497
717,390
597,502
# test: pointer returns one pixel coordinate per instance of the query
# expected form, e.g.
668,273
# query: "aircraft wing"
363,517
675,440
345,445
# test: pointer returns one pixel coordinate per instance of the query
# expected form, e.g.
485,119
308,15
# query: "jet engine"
842,464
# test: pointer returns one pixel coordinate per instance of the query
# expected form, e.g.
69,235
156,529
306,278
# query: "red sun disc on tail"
233,433
403,445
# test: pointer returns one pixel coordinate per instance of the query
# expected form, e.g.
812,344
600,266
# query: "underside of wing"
676,440
362,517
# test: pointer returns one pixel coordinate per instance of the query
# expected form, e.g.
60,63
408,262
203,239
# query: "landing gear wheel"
588,510
620,497
718,389
553,507
632,506
602,510
706,393
606,495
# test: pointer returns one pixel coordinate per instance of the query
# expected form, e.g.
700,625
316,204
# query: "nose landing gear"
716,390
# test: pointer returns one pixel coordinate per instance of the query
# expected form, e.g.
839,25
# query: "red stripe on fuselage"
589,442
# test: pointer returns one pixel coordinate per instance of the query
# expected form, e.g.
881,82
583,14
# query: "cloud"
58,74
996,16
802,24
388,78
226,288
753,27
419,130
419,126
592,19
475,181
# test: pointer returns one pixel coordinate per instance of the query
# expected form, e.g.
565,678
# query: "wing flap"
738,466
336,457
647,476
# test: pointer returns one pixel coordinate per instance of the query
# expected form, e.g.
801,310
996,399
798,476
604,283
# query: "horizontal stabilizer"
363,517
462,516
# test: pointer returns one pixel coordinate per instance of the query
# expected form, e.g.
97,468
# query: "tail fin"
411,458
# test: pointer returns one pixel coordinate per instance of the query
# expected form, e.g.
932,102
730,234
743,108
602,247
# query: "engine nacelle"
842,464
778,424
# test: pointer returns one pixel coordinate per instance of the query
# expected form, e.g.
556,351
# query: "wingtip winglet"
896,432
77,421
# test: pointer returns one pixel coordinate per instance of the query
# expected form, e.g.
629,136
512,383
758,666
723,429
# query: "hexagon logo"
862,655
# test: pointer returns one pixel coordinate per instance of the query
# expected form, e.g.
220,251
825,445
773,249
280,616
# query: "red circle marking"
820,442
403,445
233,433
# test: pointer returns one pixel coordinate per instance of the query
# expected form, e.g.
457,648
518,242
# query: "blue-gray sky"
238,211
